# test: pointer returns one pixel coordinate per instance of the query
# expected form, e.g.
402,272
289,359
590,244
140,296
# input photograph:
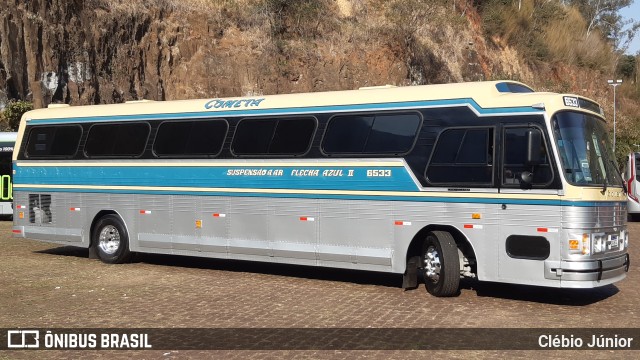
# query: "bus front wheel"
440,264
110,240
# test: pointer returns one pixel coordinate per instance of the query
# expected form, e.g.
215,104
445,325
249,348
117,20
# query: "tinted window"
392,133
462,156
117,139
53,141
347,134
273,136
448,144
292,136
369,134
176,138
469,153
253,136
515,159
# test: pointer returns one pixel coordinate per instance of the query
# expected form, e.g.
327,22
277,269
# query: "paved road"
49,286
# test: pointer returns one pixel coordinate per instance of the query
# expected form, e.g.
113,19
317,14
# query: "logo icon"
23,339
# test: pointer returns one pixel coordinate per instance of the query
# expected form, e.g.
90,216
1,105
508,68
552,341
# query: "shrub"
13,113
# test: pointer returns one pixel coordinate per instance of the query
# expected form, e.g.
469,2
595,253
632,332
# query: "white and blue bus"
7,141
488,180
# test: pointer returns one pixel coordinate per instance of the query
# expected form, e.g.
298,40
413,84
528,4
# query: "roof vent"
377,87
510,87
138,101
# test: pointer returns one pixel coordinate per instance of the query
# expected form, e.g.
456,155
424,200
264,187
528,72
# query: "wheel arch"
462,242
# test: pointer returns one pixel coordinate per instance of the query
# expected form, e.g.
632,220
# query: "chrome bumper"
591,270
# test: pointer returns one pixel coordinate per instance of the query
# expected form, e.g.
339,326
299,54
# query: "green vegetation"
546,31
12,113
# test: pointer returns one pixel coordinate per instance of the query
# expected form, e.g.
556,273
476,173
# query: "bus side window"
117,140
53,141
371,134
273,136
462,157
190,138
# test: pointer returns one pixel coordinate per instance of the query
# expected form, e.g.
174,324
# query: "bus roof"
501,96
8,136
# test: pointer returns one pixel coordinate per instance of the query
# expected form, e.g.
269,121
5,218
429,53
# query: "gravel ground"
51,286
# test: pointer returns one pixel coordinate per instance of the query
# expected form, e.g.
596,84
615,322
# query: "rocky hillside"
105,51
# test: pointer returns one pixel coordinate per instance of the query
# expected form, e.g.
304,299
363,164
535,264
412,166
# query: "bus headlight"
579,244
624,239
599,243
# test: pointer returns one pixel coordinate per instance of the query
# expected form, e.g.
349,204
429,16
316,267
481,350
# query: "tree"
13,113
604,16
627,67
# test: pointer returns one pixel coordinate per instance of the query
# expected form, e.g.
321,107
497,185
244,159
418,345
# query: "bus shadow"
288,270
66,251
538,294
297,271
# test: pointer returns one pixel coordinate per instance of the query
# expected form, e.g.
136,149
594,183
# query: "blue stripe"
408,198
293,110
285,177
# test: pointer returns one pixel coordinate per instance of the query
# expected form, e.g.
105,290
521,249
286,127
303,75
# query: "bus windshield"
584,150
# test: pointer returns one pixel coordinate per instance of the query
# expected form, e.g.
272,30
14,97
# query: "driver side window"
515,147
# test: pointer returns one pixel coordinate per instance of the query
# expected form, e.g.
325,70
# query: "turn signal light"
585,244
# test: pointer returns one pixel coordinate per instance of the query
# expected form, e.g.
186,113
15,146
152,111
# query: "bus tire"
110,240
440,264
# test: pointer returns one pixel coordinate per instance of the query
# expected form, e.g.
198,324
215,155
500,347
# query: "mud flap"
410,277
93,253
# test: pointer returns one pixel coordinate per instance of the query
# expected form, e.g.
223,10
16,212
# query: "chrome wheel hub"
432,265
109,239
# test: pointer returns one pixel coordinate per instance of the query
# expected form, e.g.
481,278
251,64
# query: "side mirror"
534,144
526,178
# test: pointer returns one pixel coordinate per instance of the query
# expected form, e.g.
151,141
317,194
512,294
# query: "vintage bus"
488,180
7,140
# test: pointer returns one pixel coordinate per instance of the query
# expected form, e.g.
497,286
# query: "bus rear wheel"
440,264
110,240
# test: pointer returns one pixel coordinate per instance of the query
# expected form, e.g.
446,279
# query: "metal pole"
614,84
614,118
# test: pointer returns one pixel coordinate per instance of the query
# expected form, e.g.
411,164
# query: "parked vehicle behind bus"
7,141
488,180
632,179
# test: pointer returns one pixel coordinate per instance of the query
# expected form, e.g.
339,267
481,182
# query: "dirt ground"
50,286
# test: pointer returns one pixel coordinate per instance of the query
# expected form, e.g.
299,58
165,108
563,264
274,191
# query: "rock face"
80,52
101,51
